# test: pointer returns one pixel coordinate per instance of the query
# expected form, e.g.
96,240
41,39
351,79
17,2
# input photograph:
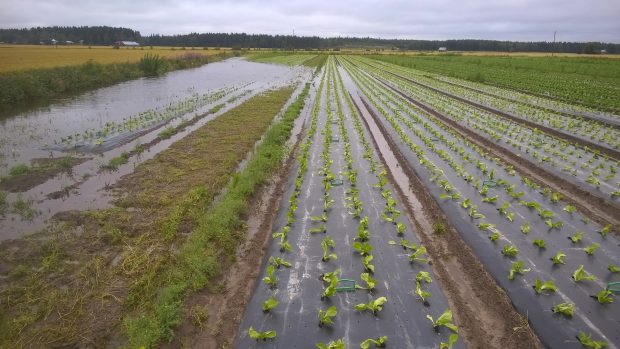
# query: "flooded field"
59,158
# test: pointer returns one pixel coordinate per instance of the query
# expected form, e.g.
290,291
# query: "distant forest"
104,35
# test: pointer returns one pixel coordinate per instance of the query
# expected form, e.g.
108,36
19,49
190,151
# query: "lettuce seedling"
539,242
379,342
320,229
541,287
421,293
325,316
339,344
570,208
261,335
580,274
400,229
495,236
270,304
559,258
577,237
423,276
525,228
374,305
363,248
330,290
405,244
517,268
279,262
566,309
370,282
592,248
270,279
604,296
613,268
451,341
606,229
367,266
510,250
587,341
326,243
444,320
417,255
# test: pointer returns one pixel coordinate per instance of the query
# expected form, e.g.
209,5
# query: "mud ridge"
485,315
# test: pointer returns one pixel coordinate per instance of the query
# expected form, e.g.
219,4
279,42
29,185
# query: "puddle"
85,186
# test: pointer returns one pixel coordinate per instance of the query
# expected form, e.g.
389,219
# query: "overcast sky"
523,20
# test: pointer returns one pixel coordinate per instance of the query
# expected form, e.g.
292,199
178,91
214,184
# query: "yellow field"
23,57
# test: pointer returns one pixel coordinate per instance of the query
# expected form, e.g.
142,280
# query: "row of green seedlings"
499,128
573,124
275,263
554,198
544,214
331,279
148,117
364,248
603,296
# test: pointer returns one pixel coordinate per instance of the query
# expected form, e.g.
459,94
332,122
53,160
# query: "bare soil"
484,313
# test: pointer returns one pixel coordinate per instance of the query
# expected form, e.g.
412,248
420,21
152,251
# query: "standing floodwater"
104,134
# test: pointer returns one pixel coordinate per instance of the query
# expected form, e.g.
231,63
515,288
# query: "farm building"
126,43
443,49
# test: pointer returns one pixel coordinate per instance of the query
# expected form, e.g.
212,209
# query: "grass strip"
211,246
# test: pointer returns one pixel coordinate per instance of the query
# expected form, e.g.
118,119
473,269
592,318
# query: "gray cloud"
524,20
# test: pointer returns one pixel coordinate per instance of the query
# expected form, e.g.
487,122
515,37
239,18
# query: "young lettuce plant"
566,309
580,275
400,229
606,229
559,258
517,268
525,228
577,237
279,262
592,248
379,342
374,305
364,248
405,244
444,320
424,295
417,255
613,268
270,278
547,286
261,335
269,304
339,344
367,266
370,282
451,341
330,290
320,229
326,243
587,341
423,276
495,236
539,242
510,251
604,296
325,316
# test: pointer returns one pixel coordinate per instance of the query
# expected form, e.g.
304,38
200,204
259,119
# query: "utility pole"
553,48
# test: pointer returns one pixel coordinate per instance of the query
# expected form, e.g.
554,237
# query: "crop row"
504,209
584,166
572,124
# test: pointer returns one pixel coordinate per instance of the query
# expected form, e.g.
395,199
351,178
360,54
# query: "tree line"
103,35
